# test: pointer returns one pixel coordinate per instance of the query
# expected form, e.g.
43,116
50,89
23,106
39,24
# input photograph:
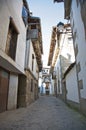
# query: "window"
31,85
24,15
11,42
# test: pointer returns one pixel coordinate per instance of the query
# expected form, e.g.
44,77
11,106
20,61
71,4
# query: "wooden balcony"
34,33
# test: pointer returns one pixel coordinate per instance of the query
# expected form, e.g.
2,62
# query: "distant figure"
42,89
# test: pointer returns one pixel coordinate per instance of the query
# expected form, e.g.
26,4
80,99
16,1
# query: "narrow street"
47,113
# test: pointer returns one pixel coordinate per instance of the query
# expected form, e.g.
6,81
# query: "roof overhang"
52,46
36,20
58,1
37,42
67,8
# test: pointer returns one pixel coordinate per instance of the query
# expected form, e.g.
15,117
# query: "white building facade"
12,51
45,83
20,55
75,10
62,57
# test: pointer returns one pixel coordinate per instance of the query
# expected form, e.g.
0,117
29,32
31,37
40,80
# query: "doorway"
4,85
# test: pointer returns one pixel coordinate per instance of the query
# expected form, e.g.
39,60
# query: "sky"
50,14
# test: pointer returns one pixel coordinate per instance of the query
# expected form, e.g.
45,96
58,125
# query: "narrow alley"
47,113
42,65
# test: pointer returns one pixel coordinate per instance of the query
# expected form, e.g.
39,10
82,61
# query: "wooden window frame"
12,36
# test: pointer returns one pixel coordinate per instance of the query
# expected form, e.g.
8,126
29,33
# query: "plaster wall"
65,48
78,25
72,86
12,93
13,9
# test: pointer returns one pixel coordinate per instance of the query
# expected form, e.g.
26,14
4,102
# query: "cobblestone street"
47,113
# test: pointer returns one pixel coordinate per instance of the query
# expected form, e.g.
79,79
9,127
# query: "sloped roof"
58,1
52,46
67,7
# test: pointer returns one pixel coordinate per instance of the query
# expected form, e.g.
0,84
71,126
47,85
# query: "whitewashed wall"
12,93
13,8
59,76
72,86
65,48
78,27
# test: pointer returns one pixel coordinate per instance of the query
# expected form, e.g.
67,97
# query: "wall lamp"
61,26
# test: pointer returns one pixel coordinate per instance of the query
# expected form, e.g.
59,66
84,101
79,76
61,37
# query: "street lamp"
63,28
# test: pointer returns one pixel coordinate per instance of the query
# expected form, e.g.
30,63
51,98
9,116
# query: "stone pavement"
47,113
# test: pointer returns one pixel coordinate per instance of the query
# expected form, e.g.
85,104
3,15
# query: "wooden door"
4,80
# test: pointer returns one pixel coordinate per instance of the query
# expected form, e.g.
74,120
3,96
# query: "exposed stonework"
26,94
31,88
21,100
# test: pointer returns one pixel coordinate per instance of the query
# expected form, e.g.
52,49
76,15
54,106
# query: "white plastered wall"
12,92
13,8
78,27
72,86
